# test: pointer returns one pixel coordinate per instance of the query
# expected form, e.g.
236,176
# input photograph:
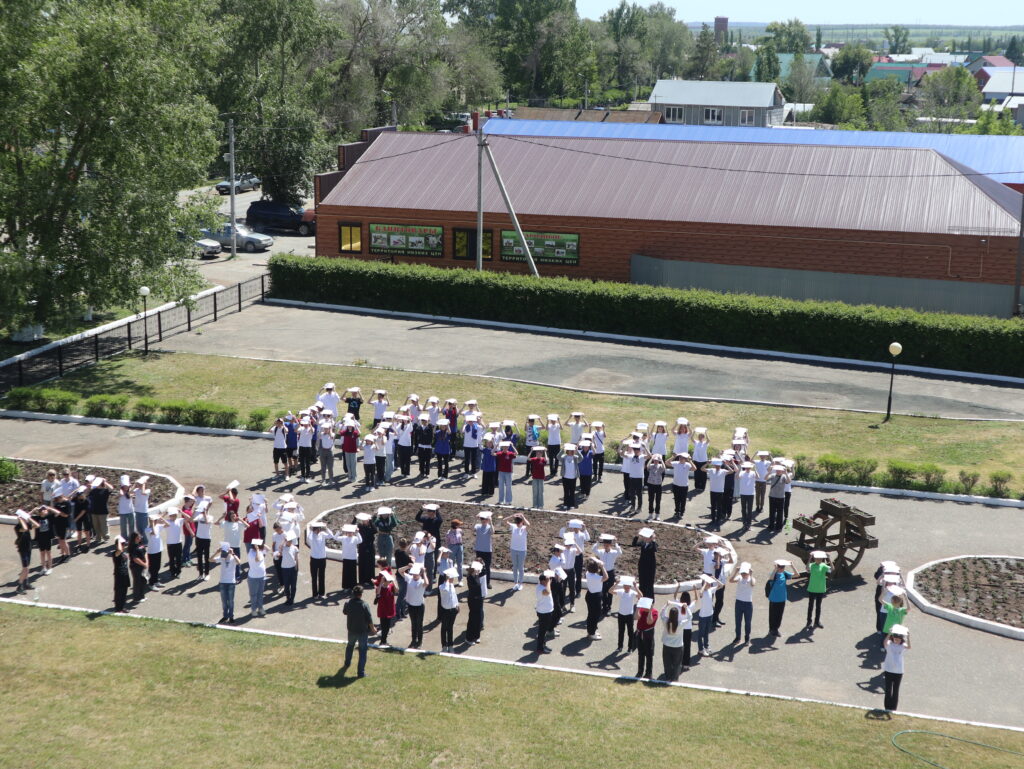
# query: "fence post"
159,327
188,317
263,287
60,360
239,296
129,327
215,307
96,347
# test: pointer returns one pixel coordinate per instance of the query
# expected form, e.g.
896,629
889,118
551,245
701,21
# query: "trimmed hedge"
863,332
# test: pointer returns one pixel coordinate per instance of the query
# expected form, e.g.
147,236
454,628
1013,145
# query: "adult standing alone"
359,623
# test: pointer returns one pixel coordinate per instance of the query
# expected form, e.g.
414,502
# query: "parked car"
266,214
206,247
243,183
247,239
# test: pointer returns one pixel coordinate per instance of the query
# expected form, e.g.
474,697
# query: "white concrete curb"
133,318
335,555
700,346
960,618
512,663
174,501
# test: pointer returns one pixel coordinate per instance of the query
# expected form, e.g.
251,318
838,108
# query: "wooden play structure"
838,529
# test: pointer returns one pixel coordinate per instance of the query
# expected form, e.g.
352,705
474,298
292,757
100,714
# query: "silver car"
245,238
207,247
243,183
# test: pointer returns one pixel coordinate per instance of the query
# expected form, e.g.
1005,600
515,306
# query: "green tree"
882,105
736,67
668,41
627,27
841,106
1014,51
536,40
705,54
898,38
817,39
851,64
993,123
801,86
102,128
766,64
789,36
950,93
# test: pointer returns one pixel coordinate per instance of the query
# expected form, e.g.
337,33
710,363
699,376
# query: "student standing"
746,483
328,396
306,449
586,467
647,562
762,465
423,438
140,505
897,643
476,584
504,459
280,449
289,555
385,521
121,561
443,446
99,499
471,435
681,467
155,549
386,592
430,520
453,541
353,399
544,605
598,436
488,466
701,444
596,577
449,599
744,581
175,527
42,517
202,519
778,594
776,482
672,637
138,564
608,552
518,528
535,470
325,442
646,621
403,443
554,442
228,562
257,576
655,479
23,528
365,549
349,435
634,457
706,613
818,571
317,535
483,544
570,475
359,624
125,512
716,483
626,590
350,540
415,589
531,437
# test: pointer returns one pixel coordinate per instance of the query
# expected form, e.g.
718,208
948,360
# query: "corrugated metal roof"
1001,157
713,92
877,189
1010,81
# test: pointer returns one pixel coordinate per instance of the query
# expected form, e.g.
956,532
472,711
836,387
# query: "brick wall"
606,246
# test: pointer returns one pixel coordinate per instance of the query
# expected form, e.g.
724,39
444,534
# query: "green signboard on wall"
547,247
406,240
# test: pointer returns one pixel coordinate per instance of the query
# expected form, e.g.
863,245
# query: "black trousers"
380,464
174,559
654,498
568,493
558,595
776,507
892,690
317,574
700,476
385,623
679,494
606,592
416,622
349,566
775,612
404,458
586,481
424,453
442,464
553,451
747,508
814,602
154,567
593,611
626,629
598,466
305,461
672,659
687,638
488,482
645,653
448,626
577,570
121,580
485,559
203,556
719,602
476,619
646,583
138,582
545,624
470,459
716,505
635,495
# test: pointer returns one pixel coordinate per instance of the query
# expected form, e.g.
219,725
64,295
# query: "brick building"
885,225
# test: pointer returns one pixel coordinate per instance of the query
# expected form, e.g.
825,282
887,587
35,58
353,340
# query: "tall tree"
882,105
669,41
851,64
801,85
102,128
789,36
994,123
766,64
841,106
950,93
627,27
817,39
705,54
898,38
1014,51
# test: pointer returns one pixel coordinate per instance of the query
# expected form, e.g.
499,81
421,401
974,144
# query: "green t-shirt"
894,616
818,572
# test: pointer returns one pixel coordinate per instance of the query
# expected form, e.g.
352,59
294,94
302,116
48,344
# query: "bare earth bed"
987,588
24,492
677,557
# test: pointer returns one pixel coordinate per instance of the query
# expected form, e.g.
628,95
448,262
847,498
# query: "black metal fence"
135,334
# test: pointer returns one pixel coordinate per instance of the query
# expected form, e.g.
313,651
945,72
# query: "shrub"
258,420
8,470
145,410
20,398
200,414
965,342
117,406
54,401
969,480
834,469
999,483
932,476
173,412
224,417
862,471
96,406
901,474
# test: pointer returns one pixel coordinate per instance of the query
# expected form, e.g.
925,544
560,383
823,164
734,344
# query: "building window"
464,244
746,117
350,238
712,116
673,114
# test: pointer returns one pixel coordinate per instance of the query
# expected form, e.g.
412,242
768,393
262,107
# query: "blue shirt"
487,461
778,592
586,466
292,439
442,442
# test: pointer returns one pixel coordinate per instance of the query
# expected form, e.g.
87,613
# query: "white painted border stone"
174,501
960,618
511,663
335,555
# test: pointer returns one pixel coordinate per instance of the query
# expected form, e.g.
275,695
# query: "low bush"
969,480
8,470
258,420
900,475
964,342
200,414
20,398
54,401
96,406
145,410
106,406
999,483
173,412
932,477
223,417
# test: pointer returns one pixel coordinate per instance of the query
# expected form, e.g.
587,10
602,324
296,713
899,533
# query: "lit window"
350,238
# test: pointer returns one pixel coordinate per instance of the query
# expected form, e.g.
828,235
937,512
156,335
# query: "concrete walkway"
329,337
952,671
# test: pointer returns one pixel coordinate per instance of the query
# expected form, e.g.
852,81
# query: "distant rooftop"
714,92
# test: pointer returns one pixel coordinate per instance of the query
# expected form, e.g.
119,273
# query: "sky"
943,12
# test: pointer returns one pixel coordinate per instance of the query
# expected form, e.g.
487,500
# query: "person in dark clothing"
121,572
423,440
139,563
647,563
366,549
359,623
476,584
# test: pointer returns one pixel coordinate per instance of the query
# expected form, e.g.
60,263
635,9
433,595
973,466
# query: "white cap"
899,630
597,423
81,488
627,580
450,400
660,423
142,479
287,498
568,539
443,549
508,423
233,485
413,397
364,517
418,537
317,525
577,413
569,447
430,506
477,566
443,422
747,465
819,554
539,449
745,567
575,523
349,528
256,542
534,417
471,402
451,573
891,579
642,426
384,511
763,453
586,443
645,603
424,416
558,546
646,531
549,573
504,444
153,516
22,514
225,546
388,415
700,429
416,568
121,540
682,421
125,480
782,562
290,536
380,392
684,454
291,506
707,578
607,537
485,514
173,511
388,576
636,445
717,462
896,590
552,417
329,385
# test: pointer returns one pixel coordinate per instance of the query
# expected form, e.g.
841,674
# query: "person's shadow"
803,636
728,652
874,685
337,681
870,652
762,645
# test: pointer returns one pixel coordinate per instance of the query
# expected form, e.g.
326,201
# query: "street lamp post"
144,293
894,350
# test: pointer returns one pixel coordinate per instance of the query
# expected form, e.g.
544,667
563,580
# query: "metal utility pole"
479,192
234,184
511,211
1020,262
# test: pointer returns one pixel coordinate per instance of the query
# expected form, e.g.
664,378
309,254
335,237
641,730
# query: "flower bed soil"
24,491
677,558
987,588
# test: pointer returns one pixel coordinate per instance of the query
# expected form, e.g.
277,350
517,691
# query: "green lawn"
147,693
247,384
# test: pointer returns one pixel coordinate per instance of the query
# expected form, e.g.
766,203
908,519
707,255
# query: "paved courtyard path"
952,671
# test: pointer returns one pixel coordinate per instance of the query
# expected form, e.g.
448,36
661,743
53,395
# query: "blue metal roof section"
1001,157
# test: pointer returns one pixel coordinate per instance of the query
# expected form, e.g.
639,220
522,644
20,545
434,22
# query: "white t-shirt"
545,603
708,555
745,589
681,475
232,532
174,531
257,564
675,639
716,478
227,569
554,435
483,533
124,504
379,407
369,454
350,546
576,431
202,522
700,451
627,601
659,441
595,582
330,400
707,601
317,543
326,439
305,437
154,544
598,441
414,590
633,466
761,467
140,501
609,558
518,537
289,556
681,445
469,440
894,657
747,478
448,594
280,437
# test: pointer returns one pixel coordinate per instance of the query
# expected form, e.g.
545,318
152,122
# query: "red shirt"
350,440
231,503
647,619
385,598
504,460
537,465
